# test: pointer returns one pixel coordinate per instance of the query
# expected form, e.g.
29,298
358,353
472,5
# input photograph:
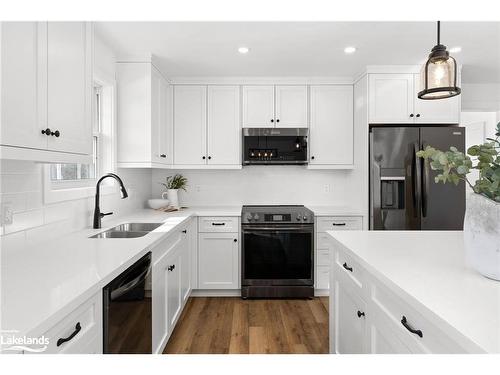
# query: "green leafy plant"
176,181
455,165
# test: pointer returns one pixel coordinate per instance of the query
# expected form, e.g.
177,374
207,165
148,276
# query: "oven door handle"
277,228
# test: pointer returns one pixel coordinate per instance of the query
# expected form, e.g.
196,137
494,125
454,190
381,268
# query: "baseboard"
321,292
237,293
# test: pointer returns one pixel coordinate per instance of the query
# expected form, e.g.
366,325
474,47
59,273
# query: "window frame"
57,191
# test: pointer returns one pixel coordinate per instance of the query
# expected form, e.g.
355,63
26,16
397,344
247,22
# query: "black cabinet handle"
272,120
56,133
360,314
417,332
235,240
218,224
312,157
171,268
347,267
203,157
209,157
278,120
339,224
418,114
47,132
184,231
163,156
78,328
411,115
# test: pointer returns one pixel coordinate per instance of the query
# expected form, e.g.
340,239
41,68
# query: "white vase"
173,197
482,235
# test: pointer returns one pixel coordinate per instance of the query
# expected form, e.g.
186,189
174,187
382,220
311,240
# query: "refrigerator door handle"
425,182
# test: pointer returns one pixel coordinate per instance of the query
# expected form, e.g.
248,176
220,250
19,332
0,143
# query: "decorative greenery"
177,181
455,165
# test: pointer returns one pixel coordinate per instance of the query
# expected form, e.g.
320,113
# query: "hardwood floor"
236,326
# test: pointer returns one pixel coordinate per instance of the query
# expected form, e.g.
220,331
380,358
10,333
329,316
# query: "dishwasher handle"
125,288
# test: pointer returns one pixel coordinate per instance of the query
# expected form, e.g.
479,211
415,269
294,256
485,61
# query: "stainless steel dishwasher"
127,311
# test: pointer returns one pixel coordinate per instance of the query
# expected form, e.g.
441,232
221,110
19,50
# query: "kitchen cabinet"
47,71
332,127
218,254
144,125
393,100
278,106
223,127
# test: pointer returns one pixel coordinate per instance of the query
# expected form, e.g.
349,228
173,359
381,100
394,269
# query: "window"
82,172
75,181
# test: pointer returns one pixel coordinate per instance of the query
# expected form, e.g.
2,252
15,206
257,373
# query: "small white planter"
482,235
173,197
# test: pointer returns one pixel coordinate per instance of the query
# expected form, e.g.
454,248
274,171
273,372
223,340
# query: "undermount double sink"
128,230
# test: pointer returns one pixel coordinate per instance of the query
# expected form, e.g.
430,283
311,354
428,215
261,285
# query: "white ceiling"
302,48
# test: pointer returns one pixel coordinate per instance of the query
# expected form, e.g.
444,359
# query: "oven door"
277,255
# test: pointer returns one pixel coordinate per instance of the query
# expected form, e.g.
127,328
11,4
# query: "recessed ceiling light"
350,50
455,49
243,50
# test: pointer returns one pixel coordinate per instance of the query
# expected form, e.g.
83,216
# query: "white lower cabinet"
171,285
367,317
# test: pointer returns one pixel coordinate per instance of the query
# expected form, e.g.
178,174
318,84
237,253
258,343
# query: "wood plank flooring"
236,326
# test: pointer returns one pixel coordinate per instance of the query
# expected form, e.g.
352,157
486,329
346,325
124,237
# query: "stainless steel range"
277,252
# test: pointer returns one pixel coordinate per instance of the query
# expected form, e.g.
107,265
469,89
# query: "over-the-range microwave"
275,146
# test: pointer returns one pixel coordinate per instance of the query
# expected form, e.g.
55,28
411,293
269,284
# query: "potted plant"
173,184
482,216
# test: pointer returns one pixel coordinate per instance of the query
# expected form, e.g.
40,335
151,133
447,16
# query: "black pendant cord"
439,32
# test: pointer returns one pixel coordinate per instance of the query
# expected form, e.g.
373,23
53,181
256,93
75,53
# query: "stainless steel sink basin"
117,234
136,227
128,230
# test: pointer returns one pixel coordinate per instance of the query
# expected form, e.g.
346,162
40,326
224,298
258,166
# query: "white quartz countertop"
42,283
429,270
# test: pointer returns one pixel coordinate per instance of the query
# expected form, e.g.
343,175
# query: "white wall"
22,186
266,185
481,97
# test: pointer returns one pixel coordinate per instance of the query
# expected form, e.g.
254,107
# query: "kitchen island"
409,292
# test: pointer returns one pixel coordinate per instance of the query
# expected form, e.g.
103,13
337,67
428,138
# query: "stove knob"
304,218
256,217
248,217
298,217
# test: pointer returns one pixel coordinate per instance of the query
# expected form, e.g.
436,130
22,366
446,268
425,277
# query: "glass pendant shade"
439,75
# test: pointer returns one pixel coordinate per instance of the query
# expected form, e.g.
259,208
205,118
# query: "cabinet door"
23,84
159,120
350,324
224,135
258,107
391,98
331,135
291,107
383,338
69,86
442,111
185,255
173,275
218,261
190,125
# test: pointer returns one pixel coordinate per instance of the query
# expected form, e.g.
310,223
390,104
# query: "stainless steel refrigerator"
403,194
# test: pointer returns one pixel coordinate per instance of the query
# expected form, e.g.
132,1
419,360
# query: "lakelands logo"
10,341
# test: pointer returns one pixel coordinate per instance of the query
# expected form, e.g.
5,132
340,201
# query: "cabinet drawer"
352,271
322,277
425,338
323,257
339,223
218,224
88,339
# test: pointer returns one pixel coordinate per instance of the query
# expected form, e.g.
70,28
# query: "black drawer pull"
417,332
184,231
218,224
360,314
347,267
339,224
171,268
78,328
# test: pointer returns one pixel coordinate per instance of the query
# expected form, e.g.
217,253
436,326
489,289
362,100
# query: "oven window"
277,255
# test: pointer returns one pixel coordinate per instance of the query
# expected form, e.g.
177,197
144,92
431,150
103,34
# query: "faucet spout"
97,210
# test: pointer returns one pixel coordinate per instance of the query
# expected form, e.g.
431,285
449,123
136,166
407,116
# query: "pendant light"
439,74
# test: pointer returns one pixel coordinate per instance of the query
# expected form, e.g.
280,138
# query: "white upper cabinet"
144,126
69,86
291,107
442,111
331,135
190,125
391,98
47,84
275,106
258,106
224,130
22,118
